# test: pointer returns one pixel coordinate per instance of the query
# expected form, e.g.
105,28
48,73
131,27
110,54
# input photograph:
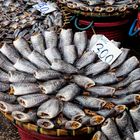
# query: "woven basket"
28,131
106,12
116,30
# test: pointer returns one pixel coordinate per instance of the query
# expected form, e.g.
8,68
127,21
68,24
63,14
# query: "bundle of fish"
58,82
19,18
101,6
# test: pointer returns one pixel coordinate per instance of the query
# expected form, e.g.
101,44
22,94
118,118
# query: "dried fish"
18,76
4,86
112,112
135,114
99,136
66,37
132,76
105,79
110,130
45,123
7,98
87,58
9,108
10,52
22,46
50,109
51,86
39,60
120,60
69,54
80,41
23,88
32,100
72,111
68,92
124,124
127,100
5,64
50,39
38,43
24,117
84,120
83,81
128,66
96,68
62,66
101,91
42,74
4,77
25,66
132,88
72,125
91,102
96,120
52,53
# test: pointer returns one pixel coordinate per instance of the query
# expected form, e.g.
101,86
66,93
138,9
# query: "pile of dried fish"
60,83
19,18
100,6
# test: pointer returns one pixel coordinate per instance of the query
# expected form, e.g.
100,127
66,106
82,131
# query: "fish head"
96,120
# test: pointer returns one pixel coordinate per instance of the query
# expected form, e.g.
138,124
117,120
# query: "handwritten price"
106,50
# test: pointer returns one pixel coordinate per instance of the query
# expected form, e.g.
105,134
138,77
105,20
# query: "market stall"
62,80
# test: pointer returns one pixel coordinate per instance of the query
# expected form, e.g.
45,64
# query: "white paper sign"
106,50
137,135
44,7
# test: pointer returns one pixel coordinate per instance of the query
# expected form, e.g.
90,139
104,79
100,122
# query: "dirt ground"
7,130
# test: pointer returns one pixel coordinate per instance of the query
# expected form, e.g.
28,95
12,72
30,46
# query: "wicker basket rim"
52,132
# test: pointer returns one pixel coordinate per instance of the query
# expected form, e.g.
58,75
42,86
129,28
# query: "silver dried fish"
25,66
68,92
87,58
31,100
18,76
10,52
24,88
51,86
62,66
22,46
42,74
24,117
83,81
72,111
38,43
80,41
69,54
9,108
50,109
39,60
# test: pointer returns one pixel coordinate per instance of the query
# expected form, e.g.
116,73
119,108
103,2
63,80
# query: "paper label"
106,50
44,7
137,135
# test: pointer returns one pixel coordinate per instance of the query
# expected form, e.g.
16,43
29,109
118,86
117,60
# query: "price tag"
44,7
137,135
106,50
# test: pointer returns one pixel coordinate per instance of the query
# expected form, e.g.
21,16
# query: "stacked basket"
111,18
